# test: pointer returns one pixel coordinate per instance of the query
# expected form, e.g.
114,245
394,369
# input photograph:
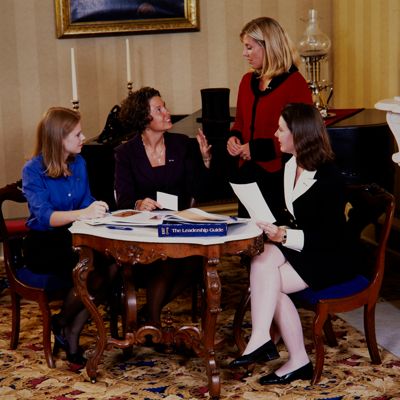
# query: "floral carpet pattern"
151,374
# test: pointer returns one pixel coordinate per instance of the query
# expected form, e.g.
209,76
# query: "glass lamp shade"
313,42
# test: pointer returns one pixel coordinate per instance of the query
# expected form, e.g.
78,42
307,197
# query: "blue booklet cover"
197,229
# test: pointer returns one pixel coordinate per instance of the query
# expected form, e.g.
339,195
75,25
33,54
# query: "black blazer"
183,175
327,256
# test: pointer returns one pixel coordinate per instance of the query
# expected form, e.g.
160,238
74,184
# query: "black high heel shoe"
305,373
266,352
74,358
61,342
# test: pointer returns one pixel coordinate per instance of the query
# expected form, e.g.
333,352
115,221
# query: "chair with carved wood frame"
369,204
17,275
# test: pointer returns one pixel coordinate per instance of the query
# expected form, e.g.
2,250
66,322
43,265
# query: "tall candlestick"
73,72
128,61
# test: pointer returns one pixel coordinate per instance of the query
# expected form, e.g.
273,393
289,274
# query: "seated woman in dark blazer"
158,160
306,247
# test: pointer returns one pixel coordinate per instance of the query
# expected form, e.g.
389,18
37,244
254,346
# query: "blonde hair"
280,53
55,126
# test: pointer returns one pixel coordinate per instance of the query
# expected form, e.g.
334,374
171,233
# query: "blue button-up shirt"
46,195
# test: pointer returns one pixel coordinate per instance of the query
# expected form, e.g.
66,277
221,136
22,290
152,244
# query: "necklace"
156,155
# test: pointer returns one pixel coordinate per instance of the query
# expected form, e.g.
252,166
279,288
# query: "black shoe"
76,358
304,373
61,342
266,352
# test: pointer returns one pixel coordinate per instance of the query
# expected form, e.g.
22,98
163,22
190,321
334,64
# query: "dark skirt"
50,252
323,269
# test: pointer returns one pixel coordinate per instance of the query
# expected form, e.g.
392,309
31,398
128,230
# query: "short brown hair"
55,126
310,137
135,110
280,53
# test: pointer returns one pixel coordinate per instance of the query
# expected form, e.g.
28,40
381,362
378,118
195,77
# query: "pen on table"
119,227
233,217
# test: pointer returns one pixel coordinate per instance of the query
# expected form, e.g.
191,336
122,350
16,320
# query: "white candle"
128,61
73,72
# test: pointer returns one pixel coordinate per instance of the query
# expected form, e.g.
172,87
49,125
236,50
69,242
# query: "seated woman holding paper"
305,247
155,160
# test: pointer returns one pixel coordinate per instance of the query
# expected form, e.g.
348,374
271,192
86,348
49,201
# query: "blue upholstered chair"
39,288
370,204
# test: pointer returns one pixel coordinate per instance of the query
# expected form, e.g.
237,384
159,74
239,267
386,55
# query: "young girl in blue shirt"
56,186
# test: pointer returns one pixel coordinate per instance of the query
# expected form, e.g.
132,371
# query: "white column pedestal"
392,108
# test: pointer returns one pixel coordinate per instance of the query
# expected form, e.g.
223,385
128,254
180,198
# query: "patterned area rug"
151,374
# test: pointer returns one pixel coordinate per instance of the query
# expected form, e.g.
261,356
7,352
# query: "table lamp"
313,48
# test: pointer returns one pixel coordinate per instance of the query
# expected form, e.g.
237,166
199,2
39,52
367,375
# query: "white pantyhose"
271,280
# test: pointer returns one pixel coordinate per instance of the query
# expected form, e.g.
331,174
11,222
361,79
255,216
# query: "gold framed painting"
80,18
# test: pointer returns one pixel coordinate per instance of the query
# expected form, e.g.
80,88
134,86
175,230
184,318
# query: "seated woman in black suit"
306,247
157,160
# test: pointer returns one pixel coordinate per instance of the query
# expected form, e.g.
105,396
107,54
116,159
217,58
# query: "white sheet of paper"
168,201
250,196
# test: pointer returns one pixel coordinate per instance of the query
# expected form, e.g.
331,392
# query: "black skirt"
50,252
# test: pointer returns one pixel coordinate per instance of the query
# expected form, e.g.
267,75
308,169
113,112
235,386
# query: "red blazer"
258,112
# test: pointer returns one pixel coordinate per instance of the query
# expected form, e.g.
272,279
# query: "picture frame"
80,18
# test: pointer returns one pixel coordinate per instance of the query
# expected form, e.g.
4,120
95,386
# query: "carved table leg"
209,319
80,274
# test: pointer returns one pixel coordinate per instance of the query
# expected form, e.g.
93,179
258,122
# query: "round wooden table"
142,245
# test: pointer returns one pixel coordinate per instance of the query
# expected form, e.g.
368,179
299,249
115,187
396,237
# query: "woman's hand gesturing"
205,148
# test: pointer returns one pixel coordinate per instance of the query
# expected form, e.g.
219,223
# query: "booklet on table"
154,218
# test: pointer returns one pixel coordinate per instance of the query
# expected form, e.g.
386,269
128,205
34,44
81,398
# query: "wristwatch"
284,236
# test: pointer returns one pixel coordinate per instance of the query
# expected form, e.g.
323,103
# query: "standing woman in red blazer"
273,82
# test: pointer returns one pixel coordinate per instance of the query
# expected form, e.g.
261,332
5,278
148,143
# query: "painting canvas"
76,18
